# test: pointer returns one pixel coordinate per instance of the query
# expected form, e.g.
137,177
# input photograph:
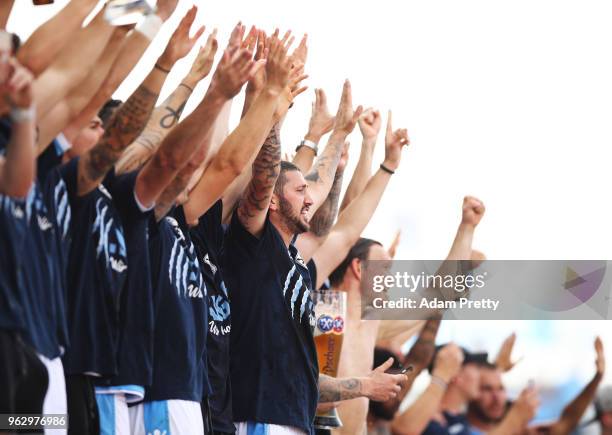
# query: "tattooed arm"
355,217
253,206
125,126
69,108
43,46
244,142
167,115
378,386
321,176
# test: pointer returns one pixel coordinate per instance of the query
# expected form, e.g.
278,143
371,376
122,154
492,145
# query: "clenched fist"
473,211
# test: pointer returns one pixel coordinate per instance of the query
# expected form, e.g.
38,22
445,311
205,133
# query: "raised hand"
300,54
600,361
380,386
448,362
526,405
394,141
346,117
17,89
321,121
278,65
369,124
204,61
473,211
165,8
504,357
234,70
180,43
236,37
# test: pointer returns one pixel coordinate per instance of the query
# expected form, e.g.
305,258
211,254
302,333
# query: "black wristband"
167,71
188,87
387,170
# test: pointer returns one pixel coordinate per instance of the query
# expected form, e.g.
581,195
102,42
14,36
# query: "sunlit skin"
289,211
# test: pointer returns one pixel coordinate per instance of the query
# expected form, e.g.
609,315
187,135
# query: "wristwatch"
310,144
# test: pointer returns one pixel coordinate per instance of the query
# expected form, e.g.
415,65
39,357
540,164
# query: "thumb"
384,366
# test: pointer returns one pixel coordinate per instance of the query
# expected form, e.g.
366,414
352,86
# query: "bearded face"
294,203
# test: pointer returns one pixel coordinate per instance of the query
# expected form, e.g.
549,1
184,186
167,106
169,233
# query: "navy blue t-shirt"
13,229
456,424
97,269
273,361
179,291
207,237
135,349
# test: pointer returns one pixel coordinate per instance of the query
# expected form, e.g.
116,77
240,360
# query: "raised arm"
239,147
18,166
5,12
43,46
369,125
72,64
354,219
321,176
196,130
378,386
253,206
167,115
573,412
414,420
321,123
69,108
131,51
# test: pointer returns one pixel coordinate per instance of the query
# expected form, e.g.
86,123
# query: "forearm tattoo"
422,352
334,390
325,166
266,169
324,218
123,129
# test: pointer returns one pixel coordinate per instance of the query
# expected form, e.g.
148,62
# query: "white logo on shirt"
213,268
43,223
18,212
195,292
104,191
117,264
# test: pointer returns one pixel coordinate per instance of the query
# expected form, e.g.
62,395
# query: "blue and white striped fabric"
132,393
114,416
255,428
166,417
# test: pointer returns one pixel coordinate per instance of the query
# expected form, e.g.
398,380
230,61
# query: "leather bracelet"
167,71
437,380
387,170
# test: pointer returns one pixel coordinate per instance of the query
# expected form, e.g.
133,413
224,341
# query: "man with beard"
273,362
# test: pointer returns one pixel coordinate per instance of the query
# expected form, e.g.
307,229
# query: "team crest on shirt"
184,270
106,193
299,259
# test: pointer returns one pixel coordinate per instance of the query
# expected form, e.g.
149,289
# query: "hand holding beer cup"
380,386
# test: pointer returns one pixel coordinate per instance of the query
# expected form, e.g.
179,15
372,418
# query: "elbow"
231,165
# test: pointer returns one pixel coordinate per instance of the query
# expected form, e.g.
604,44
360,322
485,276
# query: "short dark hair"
359,250
285,167
107,111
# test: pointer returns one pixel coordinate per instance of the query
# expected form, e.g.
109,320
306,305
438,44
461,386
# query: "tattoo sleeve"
323,220
321,176
123,129
163,120
333,389
266,168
